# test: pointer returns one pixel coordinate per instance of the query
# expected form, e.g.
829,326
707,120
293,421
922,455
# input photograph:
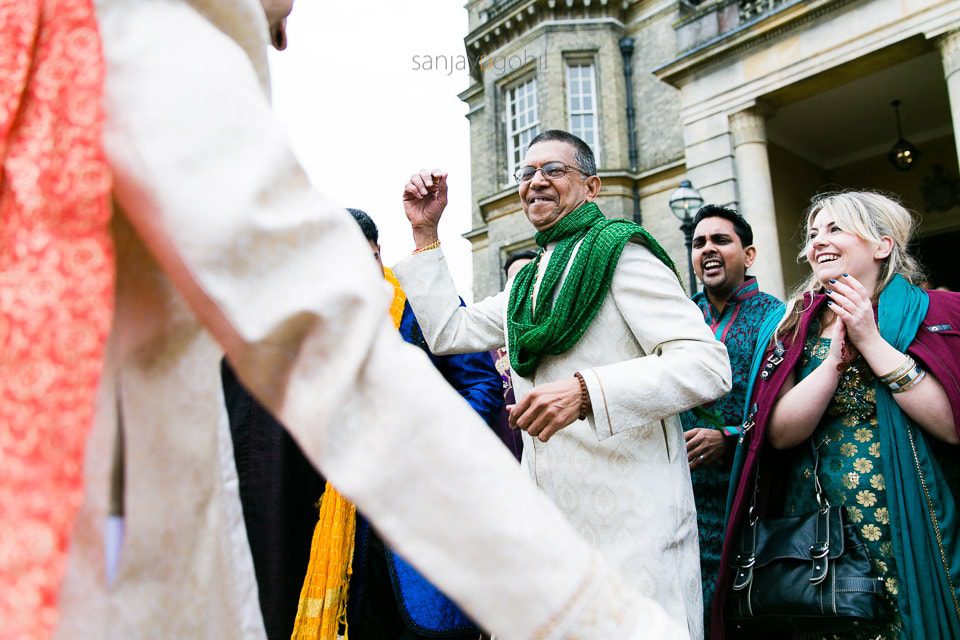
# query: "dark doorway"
938,255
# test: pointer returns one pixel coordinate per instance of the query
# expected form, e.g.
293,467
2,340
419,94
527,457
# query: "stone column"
949,46
755,188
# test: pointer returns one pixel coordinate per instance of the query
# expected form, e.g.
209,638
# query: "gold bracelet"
432,245
905,378
905,381
912,383
908,364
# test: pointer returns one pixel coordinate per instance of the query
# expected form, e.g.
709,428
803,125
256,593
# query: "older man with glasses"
605,348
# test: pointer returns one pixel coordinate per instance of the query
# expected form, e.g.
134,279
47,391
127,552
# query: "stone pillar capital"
749,125
949,46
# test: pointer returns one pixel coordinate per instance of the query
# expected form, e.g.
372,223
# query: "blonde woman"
870,375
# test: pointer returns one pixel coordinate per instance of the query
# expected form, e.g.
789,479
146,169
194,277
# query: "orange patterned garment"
56,291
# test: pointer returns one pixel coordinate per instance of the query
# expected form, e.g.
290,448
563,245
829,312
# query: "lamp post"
684,202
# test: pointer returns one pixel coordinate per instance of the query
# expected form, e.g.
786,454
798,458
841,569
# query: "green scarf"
923,512
561,318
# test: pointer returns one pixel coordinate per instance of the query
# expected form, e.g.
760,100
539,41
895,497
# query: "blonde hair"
871,216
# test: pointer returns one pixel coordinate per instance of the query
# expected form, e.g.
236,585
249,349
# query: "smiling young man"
605,349
733,306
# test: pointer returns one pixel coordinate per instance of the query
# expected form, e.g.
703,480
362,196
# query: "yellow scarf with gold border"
322,610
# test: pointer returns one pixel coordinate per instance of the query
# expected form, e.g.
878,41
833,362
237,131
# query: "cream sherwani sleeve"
449,327
283,281
684,365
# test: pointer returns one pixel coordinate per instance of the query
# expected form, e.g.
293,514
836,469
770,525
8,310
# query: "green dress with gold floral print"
850,452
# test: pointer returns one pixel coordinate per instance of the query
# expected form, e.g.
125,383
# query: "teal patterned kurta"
736,327
848,443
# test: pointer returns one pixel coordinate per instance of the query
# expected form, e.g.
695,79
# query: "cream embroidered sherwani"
221,241
621,476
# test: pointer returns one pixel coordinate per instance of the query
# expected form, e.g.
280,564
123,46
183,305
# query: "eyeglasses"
550,171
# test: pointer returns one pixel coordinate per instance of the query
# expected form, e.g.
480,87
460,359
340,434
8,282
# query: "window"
523,123
582,104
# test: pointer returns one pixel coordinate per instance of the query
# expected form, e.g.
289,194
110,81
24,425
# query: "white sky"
362,119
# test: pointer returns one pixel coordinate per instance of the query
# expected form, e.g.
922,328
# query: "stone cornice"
475,235
752,34
949,45
518,16
473,91
503,202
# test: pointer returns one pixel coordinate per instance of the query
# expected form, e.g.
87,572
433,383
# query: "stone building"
759,103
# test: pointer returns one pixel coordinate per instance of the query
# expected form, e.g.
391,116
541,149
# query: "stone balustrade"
710,20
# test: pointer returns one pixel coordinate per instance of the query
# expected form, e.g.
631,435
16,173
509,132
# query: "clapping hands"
853,305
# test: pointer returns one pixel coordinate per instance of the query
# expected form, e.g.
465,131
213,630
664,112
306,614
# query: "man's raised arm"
447,326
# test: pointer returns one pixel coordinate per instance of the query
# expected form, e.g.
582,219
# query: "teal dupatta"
924,521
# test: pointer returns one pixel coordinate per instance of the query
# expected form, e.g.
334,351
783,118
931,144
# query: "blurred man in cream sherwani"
605,349
222,245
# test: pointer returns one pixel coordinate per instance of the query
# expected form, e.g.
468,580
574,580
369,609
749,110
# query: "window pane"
522,122
581,103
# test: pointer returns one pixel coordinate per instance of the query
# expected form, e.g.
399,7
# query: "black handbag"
802,574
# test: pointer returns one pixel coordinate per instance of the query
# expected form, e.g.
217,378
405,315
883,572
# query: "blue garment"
736,327
425,609
471,374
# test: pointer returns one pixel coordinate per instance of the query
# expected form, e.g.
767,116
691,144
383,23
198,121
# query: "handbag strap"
820,550
745,558
822,501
